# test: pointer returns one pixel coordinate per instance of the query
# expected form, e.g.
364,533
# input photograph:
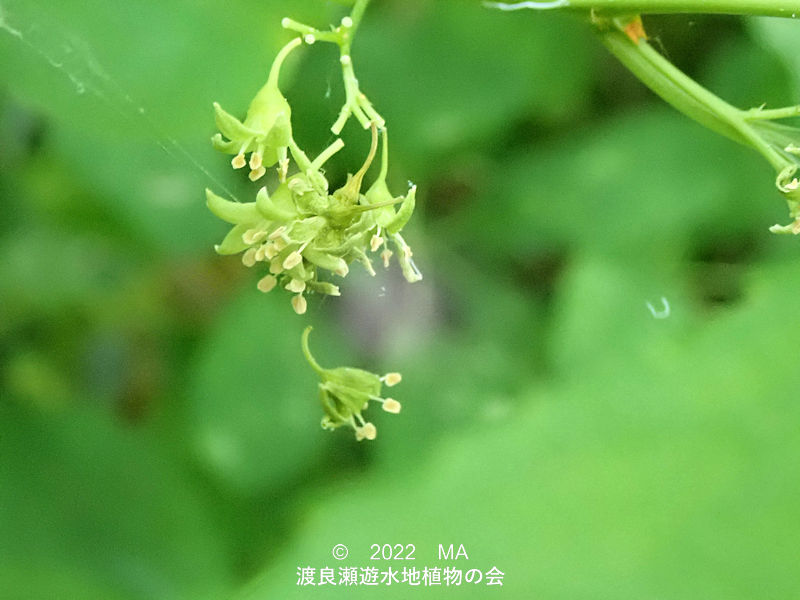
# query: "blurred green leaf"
93,64
129,89
646,183
493,346
433,70
768,83
99,508
674,478
780,35
255,415
41,581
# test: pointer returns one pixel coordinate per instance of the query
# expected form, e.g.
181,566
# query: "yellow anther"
386,255
275,266
294,259
257,174
249,257
391,405
391,379
299,304
238,161
266,283
296,285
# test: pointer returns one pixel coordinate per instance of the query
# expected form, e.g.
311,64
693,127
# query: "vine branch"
767,8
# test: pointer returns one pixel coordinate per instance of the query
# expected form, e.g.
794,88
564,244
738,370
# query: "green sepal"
358,379
325,260
410,271
235,213
358,254
784,182
349,400
403,213
377,194
225,147
324,287
268,110
364,224
284,198
306,229
783,229
233,243
232,128
267,207
312,202
331,407
281,132
351,240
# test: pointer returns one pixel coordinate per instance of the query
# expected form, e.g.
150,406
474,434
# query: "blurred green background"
159,431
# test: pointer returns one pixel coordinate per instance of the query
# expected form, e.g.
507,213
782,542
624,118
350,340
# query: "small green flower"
266,131
345,392
388,221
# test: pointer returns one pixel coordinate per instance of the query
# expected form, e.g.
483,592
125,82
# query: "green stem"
307,353
358,12
767,8
356,103
274,72
327,153
384,156
299,156
686,95
773,113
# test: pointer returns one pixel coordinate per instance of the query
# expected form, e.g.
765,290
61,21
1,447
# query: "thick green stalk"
768,8
685,94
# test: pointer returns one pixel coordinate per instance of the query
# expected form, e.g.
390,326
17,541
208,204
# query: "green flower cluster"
302,228
297,229
346,392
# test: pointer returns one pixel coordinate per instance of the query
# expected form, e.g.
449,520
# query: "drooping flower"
346,392
389,221
266,131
